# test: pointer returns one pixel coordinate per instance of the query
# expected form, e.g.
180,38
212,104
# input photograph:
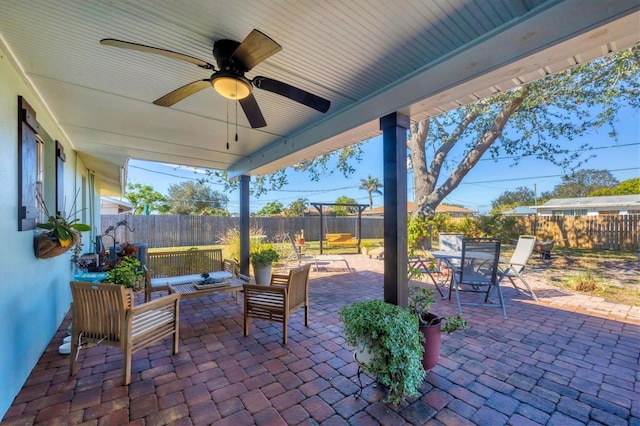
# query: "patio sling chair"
478,272
515,267
276,301
296,256
104,314
450,242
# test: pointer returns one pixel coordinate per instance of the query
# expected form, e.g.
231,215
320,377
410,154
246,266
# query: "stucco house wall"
35,292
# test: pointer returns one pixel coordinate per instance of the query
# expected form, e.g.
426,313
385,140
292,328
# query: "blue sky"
484,183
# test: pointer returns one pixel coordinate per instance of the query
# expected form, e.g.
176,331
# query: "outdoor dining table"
449,256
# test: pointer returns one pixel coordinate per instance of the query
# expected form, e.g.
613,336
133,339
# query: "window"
28,129
40,169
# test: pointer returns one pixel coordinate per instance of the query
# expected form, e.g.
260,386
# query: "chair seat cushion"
185,279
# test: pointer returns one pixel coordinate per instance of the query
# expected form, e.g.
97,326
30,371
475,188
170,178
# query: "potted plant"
261,260
299,238
431,325
62,233
365,246
126,269
390,333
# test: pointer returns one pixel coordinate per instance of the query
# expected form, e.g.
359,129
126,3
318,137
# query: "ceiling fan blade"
255,48
293,93
158,51
252,111
182,92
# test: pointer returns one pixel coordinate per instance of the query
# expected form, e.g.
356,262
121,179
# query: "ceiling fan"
234,59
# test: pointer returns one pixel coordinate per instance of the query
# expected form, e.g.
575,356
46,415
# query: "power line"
536,177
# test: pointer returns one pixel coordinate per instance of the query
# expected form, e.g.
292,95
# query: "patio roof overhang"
418,58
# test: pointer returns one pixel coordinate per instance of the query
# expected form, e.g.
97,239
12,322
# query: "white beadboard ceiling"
369,58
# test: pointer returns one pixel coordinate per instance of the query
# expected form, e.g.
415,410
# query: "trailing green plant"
420,302
265,256
126,271
391,334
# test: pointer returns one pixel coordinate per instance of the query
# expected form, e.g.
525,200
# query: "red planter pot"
432,341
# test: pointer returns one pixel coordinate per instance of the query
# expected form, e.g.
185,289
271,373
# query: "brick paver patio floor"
569,360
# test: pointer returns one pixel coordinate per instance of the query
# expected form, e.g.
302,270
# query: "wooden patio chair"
276,301
104,314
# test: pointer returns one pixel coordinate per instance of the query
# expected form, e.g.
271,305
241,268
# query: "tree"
526,121
626,187
372,186
297,207
521,196
195,198
143,197
270,209
583,182
342,210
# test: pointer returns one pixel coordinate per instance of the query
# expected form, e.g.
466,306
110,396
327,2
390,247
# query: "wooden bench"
340,240
179,267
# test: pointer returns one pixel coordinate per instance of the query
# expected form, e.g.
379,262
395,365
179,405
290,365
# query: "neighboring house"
590,206
453,211
110,205
520,211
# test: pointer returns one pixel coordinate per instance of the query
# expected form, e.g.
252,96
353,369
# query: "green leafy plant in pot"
126,270
390,333
261,260
420,302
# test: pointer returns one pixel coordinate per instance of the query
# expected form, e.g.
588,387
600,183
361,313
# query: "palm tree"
371,185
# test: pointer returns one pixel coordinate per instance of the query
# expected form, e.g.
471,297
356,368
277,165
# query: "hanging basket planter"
47,246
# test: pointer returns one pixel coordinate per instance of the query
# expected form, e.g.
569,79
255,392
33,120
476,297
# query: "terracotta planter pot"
300,241
432,341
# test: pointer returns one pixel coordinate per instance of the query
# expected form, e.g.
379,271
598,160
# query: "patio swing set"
339,239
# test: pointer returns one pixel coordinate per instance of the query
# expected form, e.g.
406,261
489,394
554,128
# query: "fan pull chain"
227,125
236,116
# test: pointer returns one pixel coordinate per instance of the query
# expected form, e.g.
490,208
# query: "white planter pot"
362,354
262,275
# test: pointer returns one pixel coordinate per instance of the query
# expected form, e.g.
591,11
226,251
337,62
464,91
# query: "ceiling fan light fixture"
230,85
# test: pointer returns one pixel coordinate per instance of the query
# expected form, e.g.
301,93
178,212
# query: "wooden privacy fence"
176,231
613,232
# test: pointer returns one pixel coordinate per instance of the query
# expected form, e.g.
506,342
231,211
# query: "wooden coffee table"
189,290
